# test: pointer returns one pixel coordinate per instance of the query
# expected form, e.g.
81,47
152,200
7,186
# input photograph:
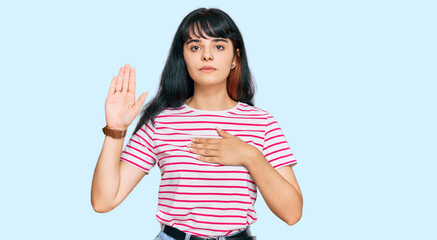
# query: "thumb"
222,132
141,100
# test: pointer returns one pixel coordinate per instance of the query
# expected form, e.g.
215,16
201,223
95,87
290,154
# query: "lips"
208,68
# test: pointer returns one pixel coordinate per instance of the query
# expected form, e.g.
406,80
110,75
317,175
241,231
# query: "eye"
194,48
220,47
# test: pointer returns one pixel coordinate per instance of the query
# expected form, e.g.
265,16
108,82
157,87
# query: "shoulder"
268,119
245,108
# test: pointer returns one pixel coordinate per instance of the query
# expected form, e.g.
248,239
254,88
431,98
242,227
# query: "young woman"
214,148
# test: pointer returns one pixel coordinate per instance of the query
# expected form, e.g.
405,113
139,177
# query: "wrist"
114,132
253,156
116,126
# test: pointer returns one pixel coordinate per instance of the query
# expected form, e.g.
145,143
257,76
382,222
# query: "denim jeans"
163,236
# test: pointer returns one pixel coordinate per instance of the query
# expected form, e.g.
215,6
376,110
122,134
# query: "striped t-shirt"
201,198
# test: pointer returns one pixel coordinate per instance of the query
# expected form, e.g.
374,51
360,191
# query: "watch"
114,133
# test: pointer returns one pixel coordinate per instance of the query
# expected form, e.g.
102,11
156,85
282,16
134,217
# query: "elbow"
294,219
101,208
101,204
295,215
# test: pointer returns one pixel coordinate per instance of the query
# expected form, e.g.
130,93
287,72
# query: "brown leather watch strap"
114,133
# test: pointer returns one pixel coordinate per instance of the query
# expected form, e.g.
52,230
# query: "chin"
208,83
211,80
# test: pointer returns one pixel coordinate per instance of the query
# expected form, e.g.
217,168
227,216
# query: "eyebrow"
214,40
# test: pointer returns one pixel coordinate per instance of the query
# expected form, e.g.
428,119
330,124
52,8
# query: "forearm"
281,196
106,178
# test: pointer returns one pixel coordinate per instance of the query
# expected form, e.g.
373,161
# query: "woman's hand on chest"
228,150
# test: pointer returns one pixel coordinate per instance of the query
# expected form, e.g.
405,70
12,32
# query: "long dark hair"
176,84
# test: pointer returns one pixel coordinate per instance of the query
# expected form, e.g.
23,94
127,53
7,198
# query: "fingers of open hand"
209,159
112,86
205,149
200,146
206,140
125,78
119,85
132,81
205,152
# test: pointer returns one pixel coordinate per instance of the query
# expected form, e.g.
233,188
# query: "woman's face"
208,60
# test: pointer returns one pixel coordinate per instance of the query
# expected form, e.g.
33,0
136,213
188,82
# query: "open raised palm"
120,106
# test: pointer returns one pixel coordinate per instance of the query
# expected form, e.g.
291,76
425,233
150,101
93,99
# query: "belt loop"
187,236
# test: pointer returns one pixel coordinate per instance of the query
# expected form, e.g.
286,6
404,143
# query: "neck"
211,98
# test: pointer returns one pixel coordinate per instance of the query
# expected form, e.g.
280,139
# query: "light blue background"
352,84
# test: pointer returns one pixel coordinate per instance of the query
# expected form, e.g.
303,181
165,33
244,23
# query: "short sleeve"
139,150
276,149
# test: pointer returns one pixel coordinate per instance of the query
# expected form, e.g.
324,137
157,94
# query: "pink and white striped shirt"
200,198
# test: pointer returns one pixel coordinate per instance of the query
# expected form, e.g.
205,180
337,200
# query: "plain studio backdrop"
351,83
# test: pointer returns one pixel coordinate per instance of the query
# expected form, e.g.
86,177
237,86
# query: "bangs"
208,26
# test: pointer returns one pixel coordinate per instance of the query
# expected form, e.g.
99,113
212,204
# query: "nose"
207,55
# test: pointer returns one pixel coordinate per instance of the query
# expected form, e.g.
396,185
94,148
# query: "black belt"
179,235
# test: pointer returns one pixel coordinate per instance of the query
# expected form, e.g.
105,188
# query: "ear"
236,55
